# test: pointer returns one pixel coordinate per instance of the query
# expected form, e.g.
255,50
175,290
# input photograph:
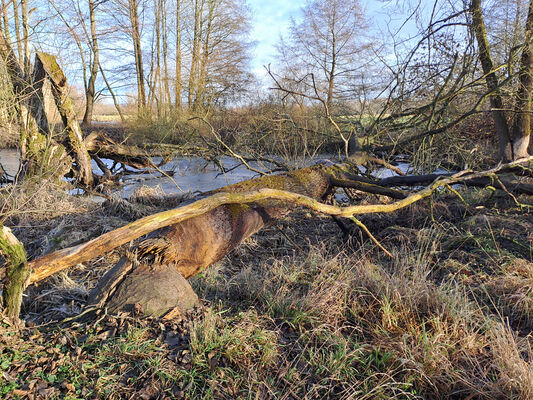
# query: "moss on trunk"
17,272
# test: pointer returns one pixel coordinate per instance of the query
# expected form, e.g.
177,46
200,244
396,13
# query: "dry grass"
9,136
297,312
38,200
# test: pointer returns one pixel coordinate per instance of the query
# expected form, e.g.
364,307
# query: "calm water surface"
190,174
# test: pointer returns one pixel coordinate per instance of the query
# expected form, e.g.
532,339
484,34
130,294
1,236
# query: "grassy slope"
298,313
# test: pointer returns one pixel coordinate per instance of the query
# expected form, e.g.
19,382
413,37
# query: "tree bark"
5,18
201,84
40,155
496,101
75,144
136,37
331,72
17,272
26,38
195,57
177,87
521,131
164,39
17,30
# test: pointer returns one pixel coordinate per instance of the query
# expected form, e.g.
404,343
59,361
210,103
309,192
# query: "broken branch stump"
17,272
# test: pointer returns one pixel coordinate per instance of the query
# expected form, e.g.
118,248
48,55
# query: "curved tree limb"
62,259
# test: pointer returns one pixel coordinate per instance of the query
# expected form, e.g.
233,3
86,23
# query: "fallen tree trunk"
100,145
499,182
314,182
184,241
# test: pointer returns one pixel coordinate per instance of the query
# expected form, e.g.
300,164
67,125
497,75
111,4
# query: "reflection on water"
189,174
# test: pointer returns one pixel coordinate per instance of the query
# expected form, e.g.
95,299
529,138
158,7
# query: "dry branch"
101,145
62,259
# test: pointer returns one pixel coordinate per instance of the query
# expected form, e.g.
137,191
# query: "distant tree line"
404,75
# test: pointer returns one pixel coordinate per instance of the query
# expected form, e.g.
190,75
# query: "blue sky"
271,18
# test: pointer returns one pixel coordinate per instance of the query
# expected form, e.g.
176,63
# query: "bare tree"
90,89
139,67
178,83
521,130
5,18
220,52
514,139
198,8
16,18
329,42
26,38
500,121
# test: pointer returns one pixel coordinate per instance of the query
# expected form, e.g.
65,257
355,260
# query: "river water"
189,174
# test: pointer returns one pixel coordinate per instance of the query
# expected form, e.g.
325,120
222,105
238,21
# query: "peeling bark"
75,144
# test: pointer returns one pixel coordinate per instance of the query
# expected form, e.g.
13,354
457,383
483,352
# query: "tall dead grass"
297,313
361,326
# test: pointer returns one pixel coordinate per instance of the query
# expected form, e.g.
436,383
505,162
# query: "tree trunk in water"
40,156
98,143
522,124
496,102
75,143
